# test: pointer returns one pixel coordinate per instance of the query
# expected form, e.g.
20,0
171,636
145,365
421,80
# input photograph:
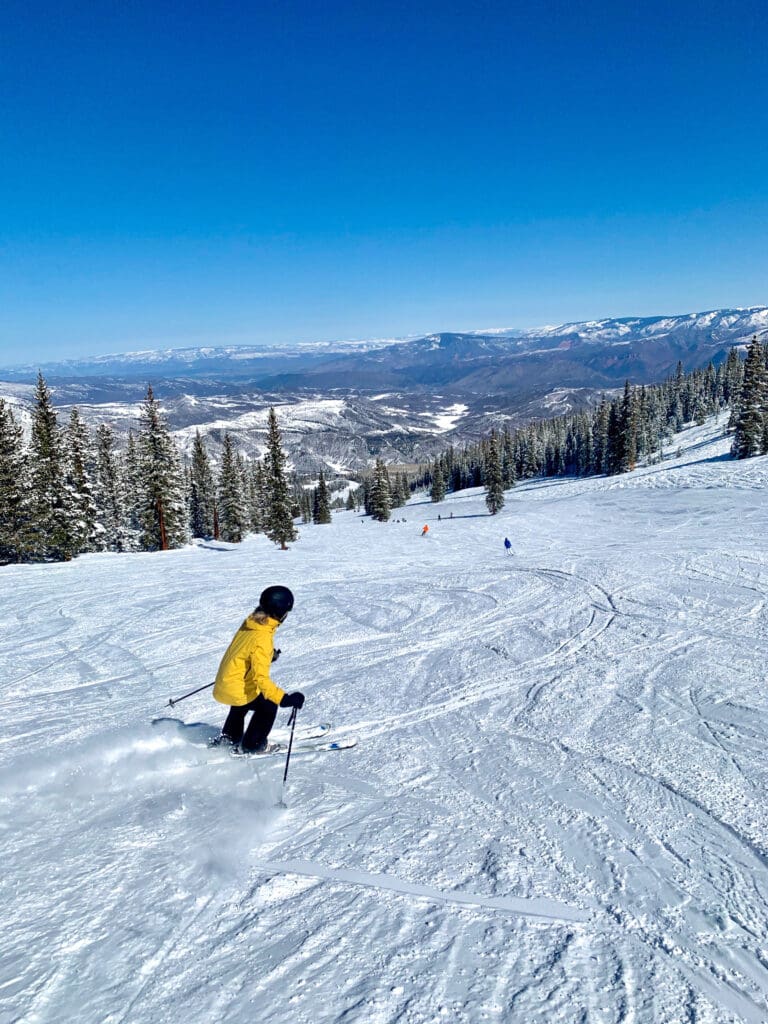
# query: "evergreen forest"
66,490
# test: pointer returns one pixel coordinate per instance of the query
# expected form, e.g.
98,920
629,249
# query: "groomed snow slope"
556,811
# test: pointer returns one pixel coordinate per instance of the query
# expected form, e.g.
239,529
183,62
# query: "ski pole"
172,703
292,723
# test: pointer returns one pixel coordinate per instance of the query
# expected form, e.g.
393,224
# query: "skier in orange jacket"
425,531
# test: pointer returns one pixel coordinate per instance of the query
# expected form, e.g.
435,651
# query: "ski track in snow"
554,812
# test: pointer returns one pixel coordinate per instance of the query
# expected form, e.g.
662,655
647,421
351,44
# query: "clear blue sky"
259,172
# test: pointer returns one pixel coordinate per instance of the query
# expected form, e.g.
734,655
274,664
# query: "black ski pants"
262,720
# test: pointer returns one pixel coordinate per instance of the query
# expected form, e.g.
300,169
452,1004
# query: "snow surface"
448,418
555,811
312,413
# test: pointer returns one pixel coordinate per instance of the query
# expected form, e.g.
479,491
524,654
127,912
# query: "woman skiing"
243,678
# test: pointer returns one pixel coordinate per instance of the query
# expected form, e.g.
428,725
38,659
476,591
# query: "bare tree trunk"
161,524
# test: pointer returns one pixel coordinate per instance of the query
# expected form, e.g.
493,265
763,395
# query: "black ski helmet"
276,602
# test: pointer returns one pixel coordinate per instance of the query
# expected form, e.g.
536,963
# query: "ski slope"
556,811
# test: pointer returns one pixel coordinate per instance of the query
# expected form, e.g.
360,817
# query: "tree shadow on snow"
725,457
467,515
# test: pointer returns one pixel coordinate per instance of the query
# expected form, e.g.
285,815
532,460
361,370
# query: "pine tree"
251,497
748,438
600,438
132,487
494,483
508,460
233,515
161,487
279,526
50,505
380,503
437,493
321,512
258,497
625,444
732,380
405,488
109,493
307,502
14,507
397,496
78,464
202,500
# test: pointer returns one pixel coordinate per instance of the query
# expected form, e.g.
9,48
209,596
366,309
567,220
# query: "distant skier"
508,545
425,531
243,678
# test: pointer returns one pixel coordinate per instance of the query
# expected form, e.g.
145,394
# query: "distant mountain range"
588,354
343,403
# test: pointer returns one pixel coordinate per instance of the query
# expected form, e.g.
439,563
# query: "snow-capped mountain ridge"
111,362
722,322
722,326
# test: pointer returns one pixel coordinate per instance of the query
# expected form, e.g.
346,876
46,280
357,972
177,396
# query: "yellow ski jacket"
244,670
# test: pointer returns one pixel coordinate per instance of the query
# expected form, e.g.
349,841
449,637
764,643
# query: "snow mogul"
243,679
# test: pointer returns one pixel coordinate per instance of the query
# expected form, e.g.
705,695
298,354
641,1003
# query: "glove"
276,654
293,700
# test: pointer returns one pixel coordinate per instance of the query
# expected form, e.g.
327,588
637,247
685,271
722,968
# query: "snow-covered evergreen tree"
321,509
494,482
258,499
306,503
732,379
109,493
133,493
380,503
279,524
622,434
405,489
202,490
748,438
400,491
14,505
53,536
233,511
79,470
161,487
437,491
508,471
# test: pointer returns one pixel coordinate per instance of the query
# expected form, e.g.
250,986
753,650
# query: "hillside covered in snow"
555,811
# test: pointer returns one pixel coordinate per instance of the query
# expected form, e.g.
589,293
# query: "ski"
302,747
299,748
306,735
305,747
307,732
201,734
